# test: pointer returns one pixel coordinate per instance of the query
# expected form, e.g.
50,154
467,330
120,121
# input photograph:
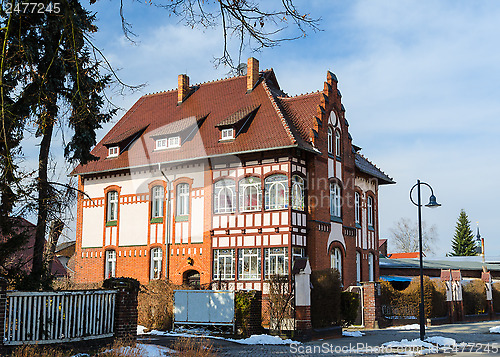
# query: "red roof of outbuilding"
404,255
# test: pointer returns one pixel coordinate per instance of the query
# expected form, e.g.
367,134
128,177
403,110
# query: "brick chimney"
252,73
183,88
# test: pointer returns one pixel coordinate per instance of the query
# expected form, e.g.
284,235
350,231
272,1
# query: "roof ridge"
279,112
302,94
371,163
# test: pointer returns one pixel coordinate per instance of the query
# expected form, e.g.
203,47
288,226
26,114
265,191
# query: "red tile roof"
275,124
404,255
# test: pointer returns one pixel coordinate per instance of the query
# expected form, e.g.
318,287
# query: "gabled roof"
365,166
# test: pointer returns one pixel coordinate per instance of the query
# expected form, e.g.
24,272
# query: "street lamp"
432,204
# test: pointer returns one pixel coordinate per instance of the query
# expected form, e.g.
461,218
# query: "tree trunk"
56,229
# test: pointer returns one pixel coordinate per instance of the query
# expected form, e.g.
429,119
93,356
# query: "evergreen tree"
463,243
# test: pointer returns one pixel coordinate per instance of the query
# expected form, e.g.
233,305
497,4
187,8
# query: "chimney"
252,73
183,88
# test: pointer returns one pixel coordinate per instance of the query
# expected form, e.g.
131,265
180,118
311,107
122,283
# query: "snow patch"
141,330
252,340
406,343
352,333
441,341
405,327
495,329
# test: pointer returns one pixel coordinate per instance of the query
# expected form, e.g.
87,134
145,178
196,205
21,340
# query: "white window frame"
275,261
298,252
112,206
275,200
358,266
371,267
156,263
224,264
357,207
224,196
161,144
335,200
249,188
338,144
182,191
330,140
158,197
249,264
113,151
174,142
297,193
369,209
336,260
227,134
110,264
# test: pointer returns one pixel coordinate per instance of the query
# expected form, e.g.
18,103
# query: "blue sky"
420,82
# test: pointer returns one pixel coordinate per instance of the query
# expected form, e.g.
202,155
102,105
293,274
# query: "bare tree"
404,236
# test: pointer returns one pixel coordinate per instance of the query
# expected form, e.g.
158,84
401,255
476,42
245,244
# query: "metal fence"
48,317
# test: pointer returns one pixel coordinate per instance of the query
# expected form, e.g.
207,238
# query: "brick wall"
371,305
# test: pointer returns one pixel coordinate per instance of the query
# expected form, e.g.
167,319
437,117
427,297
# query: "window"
371,267
174,142
249,264
158,194
182,199
358,267
156,263
224,196
330,141
113,151
369,208
161,144
336,260
335,200
224,264
338,144
250,194
276,261
112,209
297,193
357,211
110,269
298,252
276,192
227,134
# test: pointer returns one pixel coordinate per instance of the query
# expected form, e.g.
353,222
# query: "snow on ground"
441,341
495,329
141,330
405,327
252,340
352,333
406,343
141,350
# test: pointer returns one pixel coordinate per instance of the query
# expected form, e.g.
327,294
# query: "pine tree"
463,243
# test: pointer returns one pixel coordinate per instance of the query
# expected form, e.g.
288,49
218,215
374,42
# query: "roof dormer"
236,123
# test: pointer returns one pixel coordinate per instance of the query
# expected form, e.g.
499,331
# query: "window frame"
370,211
182,197
229,256
275,261
113,151
271,187
110,204
298,184
358,266
156,260
254,271
335,201
217,191
173,142
227,134
357,208
243,187
338,144
109,263
330,140
371,266
157,201
336,260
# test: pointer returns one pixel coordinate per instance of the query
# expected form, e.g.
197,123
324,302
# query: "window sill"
276,209
157,220
111,223
336,219
249,279
183,218
371,228
222,213
251,211
358,225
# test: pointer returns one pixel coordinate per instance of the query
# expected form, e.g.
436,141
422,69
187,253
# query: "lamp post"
432,204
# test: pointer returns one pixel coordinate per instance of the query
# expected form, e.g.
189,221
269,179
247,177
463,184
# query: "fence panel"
49,317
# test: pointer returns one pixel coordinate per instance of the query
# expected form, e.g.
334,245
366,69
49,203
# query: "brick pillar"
371,309
302,272
125,306
3,303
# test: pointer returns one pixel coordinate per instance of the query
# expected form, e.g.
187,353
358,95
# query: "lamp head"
432,202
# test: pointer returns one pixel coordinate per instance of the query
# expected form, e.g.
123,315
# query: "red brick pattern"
303,318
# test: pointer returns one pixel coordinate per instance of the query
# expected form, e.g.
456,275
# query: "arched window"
297,193
112,206
330,140
357,207
336,260
182,199
158,196
371,267
358,267
369,209
224,196
250,194
335,200
156,263
110,267
338,144
276,192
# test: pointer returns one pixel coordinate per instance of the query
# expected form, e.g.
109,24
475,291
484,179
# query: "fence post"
3,303
125,306
486,278
371,304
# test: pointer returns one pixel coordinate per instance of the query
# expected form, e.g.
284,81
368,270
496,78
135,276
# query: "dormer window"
113,151
161,144
227,134
168,143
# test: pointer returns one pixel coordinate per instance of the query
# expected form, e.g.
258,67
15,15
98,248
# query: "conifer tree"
463,243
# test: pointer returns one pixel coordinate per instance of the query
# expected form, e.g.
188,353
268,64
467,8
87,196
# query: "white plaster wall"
93,220
335,234
365,185
197,220
134,224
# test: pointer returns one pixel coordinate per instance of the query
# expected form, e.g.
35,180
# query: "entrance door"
191,278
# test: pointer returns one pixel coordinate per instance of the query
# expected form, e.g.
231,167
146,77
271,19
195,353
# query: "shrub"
474,296
155,305
40,351
325,298
349,304
496,297
280,303
189,347
243,307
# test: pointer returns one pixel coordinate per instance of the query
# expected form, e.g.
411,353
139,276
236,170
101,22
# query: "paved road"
476,335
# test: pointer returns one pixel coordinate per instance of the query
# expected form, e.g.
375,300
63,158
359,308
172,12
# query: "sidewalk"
471,333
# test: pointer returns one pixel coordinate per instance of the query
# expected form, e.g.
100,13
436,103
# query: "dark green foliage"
349,304
463,243
474,295
325,298
496,297
242,308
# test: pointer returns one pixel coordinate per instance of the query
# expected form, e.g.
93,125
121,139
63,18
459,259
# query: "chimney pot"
183,87
252,73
